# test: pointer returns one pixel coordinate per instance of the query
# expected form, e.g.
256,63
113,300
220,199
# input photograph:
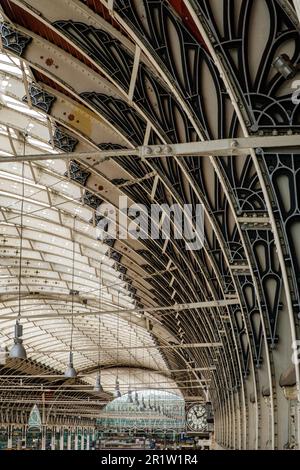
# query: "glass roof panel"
51,200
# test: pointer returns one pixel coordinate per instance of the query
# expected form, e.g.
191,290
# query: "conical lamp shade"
129,397
143,405
70,372
18,351
98,386
117,392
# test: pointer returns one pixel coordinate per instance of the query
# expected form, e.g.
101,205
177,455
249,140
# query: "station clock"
196,418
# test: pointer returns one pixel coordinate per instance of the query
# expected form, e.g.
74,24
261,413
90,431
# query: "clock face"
196,418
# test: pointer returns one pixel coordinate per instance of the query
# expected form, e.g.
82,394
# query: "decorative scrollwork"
240,331
76,173
268,273
12,39
101,47
115,255
91,200
284,173
250,304
121,269
262,90
110,146
118,113
63,141
109,242
166,36
40,98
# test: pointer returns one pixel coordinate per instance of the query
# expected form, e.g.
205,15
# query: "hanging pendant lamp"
136,399
143,404
98,386
18,350
117,389
117,392
129,397
70,372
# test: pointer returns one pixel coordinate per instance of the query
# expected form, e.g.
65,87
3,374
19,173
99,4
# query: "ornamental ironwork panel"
91,200
121,269
244,183
110,146
268,274
261,89
40,98
180,54
107,51
132,289
115,255
109,242
118,181
64,141
284,174
12,39
76,173
118,113
251,307
241,335
100,220
161,107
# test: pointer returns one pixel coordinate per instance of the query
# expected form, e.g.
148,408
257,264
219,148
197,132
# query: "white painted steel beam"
134,72
101,155
82,375
222,147
297,7
175,308
133,348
